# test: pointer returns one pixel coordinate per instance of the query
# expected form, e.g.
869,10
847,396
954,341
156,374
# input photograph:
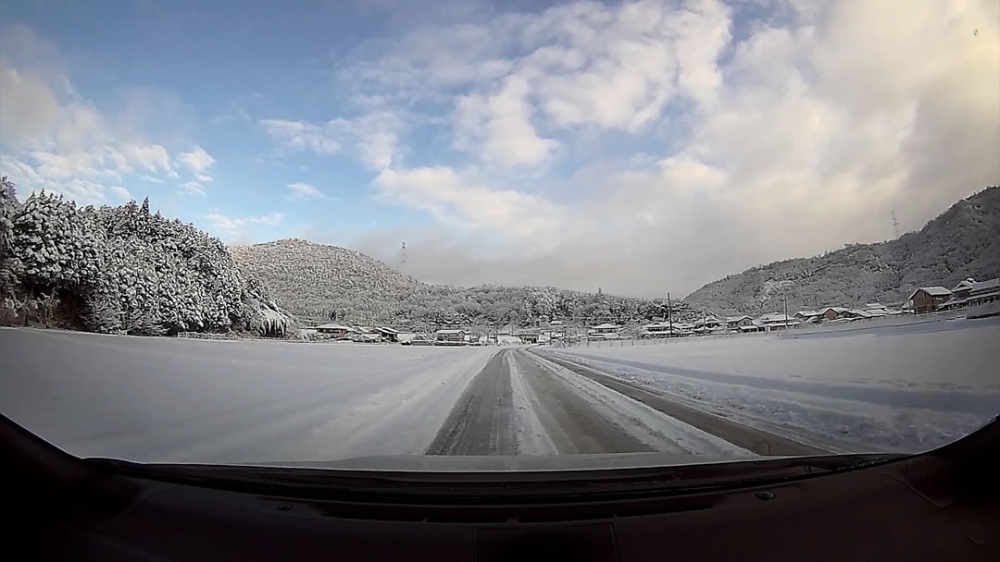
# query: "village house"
876,309
449,337
387,334
971,292
737,322
662,330
655,330
859,314
927,299
604,332
528,336
809,316
338,331
708,325
776,321
829,313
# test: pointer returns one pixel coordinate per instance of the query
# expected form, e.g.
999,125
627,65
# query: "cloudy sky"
641,147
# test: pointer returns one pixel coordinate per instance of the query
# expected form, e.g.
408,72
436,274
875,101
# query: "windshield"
659,232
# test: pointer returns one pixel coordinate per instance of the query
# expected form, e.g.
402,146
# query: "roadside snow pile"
864,391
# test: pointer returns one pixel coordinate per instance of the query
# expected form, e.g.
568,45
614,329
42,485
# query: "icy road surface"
170,400
906,388
175,400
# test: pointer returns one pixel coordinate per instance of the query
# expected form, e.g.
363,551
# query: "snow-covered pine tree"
9,264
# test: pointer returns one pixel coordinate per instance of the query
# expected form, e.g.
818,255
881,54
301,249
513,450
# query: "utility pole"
670,317
784,302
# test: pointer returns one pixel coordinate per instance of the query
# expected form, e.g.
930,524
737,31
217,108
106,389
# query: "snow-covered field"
161,399
895,388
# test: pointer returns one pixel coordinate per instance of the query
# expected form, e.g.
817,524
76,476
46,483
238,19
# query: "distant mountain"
962,242
316,281
322,283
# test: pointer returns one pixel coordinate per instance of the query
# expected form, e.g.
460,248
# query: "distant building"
421,339
604,332
707,323
662,330
737,322
970,292
387,334
655,330
776,321
834,313
528,336
449,337
876,309
928,299
338,331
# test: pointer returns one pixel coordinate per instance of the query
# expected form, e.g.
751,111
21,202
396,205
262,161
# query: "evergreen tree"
121,269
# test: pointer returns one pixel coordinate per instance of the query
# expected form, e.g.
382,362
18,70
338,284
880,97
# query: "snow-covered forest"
121,270
127,270
322,283
962,242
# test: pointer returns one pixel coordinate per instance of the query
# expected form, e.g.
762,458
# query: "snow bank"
901,390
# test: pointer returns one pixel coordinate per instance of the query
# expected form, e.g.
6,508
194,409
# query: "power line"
895,223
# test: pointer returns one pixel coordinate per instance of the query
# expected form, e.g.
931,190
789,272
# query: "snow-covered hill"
320,283
962,242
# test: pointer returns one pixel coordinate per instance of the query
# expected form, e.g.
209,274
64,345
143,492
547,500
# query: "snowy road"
521,403
170,400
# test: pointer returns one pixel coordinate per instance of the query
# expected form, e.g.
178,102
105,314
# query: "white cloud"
29,109
447,195
304,192
500,127
788,132
193,188
231,225
373,137
150,157
121,193
59,140
300,136
198,161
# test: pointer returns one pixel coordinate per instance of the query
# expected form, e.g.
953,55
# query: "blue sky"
637,146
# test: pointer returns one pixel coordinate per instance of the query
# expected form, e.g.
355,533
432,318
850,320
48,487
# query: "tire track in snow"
650,428
482,420
755,440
